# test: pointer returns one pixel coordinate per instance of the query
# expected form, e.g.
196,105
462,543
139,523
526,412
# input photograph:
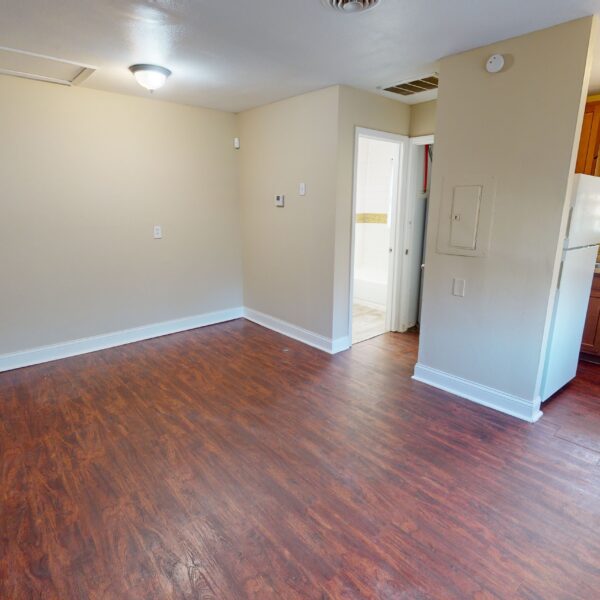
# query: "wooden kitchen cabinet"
591,334
589,145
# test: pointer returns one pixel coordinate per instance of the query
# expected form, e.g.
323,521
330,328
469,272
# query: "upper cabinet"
587,157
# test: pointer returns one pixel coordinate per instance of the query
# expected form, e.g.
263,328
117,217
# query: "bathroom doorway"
378,171
392,179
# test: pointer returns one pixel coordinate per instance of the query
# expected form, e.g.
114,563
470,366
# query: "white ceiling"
236,54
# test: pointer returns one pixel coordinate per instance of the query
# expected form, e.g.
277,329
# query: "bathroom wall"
376,169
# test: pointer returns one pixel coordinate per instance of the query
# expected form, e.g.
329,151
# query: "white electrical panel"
464,219
466,214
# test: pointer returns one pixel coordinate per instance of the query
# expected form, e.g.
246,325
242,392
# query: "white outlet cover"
280,201
157,232
301,189
458,288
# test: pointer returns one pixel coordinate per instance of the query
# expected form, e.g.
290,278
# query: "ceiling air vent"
42,68
352,6
414,87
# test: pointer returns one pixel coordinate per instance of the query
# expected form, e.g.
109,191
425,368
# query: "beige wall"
422,118
357,108
84,176
521,127
288,252
297,259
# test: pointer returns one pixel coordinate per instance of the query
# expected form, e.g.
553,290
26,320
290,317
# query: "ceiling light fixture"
151,77
352,6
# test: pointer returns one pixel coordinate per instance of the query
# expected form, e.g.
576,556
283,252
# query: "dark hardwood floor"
231,462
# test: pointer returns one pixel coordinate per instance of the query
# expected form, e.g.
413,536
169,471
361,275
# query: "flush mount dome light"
352,6
151,77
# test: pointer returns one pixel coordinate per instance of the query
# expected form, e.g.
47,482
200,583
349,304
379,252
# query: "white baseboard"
481,394
43,354
340,344
315,340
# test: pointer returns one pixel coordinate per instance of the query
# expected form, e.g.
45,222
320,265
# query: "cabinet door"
587,157
591,332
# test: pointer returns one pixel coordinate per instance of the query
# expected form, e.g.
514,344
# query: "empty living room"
299,299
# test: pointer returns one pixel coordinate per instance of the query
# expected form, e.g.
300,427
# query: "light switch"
157,232
301,189
458,287
280,201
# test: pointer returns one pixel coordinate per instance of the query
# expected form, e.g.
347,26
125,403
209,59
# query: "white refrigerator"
574,286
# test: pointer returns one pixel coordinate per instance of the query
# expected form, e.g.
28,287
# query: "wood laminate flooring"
231,462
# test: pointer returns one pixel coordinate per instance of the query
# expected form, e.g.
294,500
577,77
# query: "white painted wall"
297,259
84,177
371,264
357,108
375,171
288,252
521,127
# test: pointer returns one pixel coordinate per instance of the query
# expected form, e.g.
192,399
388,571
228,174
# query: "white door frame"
408,201
396,232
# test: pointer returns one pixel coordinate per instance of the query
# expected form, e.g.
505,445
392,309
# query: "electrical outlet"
280,201
157,232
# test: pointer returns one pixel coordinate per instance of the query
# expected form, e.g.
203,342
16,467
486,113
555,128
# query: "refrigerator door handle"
560,274
569,221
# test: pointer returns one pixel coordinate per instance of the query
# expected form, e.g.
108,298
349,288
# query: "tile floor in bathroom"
367,322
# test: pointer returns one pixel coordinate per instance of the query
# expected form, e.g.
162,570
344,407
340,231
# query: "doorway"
378,170
392,178
420,164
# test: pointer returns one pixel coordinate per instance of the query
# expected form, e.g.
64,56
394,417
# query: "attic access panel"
30,65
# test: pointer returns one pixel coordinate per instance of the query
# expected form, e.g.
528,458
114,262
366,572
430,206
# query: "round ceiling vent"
352,6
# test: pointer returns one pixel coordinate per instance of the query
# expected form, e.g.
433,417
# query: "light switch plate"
157,232
458,287
280,201
301,189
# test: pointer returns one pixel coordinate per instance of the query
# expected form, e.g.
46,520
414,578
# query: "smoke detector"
352,6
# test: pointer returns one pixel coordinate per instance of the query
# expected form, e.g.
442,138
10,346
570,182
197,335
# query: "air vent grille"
415,87
351,6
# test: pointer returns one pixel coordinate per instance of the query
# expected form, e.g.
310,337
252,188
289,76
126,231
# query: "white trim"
395,231
422,140
481,394
341,344
44,354
310,338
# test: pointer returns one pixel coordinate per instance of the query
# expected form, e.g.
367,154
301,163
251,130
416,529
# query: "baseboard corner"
299,334
478,393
